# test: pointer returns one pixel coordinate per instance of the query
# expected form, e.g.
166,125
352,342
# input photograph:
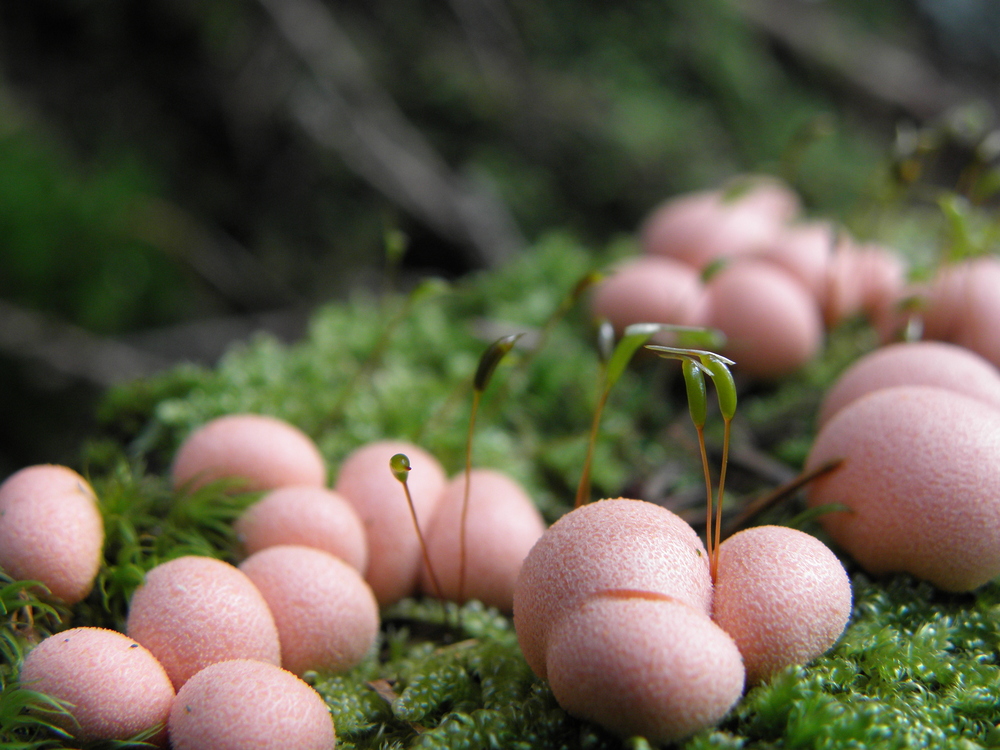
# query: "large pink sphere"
699,228
649,289
934,363
116,687
963,306
195,611
782,595
644,666
610,545
51,530
249,705
326,615
921,477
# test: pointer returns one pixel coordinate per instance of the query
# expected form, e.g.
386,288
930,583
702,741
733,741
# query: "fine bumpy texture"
249,705
51,530
116,687
263,452
378,497
782,595
921,475
502,526
309,516
652,667
326,614
195,611
932,363
608,545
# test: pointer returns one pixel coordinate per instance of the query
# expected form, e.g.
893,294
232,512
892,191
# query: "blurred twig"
883,70
71,351
343,109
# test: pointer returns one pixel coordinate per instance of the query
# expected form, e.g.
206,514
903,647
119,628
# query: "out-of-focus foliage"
582,116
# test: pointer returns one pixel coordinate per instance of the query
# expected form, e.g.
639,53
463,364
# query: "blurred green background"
176,174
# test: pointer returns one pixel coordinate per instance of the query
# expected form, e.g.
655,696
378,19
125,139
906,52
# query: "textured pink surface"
921,473
194,611
378,497
502,526
326,615
772,324
656,668
782,595
51,530
117,688
309,516
264,451
610,544
249,705
933,363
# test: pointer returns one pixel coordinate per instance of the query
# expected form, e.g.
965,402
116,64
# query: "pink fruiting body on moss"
379,499
116,688
257,451
921,478
609,544
503,525
326,615
243,705
309,516
782,595
51,530
195,611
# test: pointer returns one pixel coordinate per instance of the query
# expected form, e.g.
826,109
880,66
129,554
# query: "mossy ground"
915,668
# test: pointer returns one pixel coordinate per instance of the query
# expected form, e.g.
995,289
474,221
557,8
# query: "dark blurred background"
177,174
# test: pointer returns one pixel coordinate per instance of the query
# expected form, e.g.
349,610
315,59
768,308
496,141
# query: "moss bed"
915,668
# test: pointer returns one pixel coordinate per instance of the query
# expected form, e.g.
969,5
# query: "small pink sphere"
648,289
932,363
249,705
263,451
803,251
326,615
643,666
195,611
115,686
772,325
608,545
51,530
699,228
963,306
379,499
782,595
921,477
309,516
502,526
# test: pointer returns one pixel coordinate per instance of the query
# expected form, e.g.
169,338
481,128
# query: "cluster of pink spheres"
741,260
615,604
215,652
